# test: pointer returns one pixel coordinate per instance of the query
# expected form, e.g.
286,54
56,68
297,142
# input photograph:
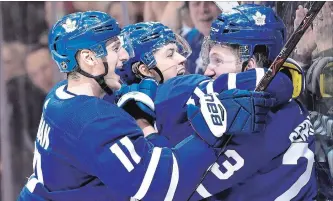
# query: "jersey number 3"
293,154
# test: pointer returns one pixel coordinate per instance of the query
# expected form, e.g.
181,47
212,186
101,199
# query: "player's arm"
287,84
247,155
159,140
138,100
120,155
115,150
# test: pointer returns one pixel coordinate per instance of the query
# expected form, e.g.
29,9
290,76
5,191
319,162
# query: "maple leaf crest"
259,19
69,26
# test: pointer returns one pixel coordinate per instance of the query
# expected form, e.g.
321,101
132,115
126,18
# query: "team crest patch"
259,19
70,25
63,65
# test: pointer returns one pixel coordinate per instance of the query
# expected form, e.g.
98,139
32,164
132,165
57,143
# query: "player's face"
169,61
116,55
39,69
202,14
222,59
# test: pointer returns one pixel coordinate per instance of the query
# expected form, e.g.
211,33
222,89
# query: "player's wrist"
145,126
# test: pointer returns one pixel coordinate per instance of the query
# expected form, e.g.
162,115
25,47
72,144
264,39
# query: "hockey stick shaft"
277,64
289,46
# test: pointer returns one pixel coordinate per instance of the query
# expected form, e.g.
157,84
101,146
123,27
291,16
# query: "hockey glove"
138,99
239,112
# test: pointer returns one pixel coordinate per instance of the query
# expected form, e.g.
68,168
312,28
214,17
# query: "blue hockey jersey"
276,164
171,97
89,149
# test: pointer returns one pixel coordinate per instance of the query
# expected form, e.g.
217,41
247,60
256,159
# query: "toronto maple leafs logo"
70,25
259,19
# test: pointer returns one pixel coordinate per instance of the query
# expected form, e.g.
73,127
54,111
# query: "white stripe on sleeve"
174,180
149,173
259,75
232,81
122,157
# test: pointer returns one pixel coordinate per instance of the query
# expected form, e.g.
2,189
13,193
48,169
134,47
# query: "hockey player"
274,165
89,149
283,167
160,55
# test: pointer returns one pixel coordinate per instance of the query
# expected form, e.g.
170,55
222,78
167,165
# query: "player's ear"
251,64
144,70
88,57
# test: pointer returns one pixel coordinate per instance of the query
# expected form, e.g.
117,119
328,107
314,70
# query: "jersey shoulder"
180,87
72,113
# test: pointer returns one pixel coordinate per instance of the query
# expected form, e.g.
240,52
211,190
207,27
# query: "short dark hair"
260,54
36,47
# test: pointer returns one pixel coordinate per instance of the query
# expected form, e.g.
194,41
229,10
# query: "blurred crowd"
28,71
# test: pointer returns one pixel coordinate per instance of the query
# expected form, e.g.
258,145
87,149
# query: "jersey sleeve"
114,149
280,87
246,155
159,140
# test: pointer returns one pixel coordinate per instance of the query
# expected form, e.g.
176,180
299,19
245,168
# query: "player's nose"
209,71
123,55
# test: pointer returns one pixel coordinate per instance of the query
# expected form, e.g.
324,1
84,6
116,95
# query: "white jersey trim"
60,93
203,191
232,81
148,178
174,180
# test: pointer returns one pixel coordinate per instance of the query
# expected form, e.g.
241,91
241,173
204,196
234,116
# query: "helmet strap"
99,78
160,74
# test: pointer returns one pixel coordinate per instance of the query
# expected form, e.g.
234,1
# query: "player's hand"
238,112
300,14
138,99
307,42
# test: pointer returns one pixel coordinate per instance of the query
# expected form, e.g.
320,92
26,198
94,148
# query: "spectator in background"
12,55
23,21
313,51
187,21
115,9
153,10
86,5
39,68
318,39
202,14
26,94
177,17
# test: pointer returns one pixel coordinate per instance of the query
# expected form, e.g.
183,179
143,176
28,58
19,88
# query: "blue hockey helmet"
82,30
146,38
248,26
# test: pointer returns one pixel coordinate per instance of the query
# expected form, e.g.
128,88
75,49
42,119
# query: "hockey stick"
277,64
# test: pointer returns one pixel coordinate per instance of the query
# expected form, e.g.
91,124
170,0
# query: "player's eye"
219,61
116,48
170,53
215,60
